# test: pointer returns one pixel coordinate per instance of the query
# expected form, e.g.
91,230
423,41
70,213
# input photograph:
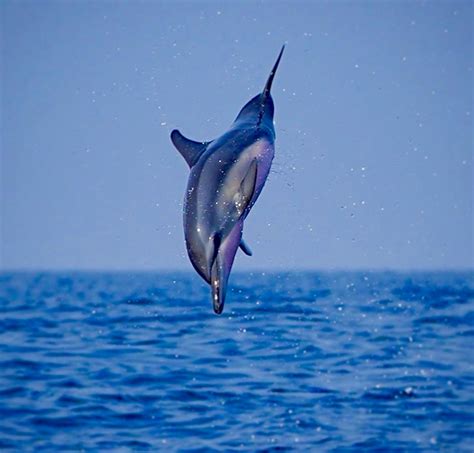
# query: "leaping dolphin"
227,176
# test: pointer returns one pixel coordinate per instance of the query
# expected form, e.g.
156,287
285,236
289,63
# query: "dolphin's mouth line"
216,289
216,243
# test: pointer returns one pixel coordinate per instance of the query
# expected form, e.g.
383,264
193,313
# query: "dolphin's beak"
221,265
268,85
218,285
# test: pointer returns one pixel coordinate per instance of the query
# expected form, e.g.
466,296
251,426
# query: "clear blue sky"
374,124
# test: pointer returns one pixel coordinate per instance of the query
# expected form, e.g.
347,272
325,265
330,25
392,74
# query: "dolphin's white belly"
263,151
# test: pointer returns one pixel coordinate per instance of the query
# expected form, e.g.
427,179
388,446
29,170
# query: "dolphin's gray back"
211,210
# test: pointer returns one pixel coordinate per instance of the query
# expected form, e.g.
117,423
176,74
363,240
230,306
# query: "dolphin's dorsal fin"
245,248
189,149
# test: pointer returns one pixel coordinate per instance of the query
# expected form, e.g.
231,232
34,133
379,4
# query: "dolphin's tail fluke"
268,85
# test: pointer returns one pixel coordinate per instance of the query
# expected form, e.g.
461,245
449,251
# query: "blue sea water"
320,361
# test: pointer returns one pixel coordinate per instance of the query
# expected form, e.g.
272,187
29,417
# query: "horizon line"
272,270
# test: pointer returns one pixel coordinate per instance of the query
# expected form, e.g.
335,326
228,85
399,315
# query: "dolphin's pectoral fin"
244,196
189,149
245,248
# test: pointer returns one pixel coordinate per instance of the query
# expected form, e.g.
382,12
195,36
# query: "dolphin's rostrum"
227,176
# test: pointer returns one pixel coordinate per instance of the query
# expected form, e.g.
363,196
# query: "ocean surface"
298,361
